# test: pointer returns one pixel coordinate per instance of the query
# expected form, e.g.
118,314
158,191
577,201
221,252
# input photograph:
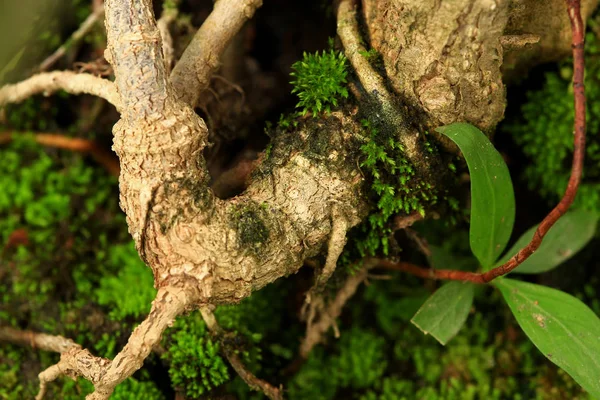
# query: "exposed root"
105,374
314,334
314,302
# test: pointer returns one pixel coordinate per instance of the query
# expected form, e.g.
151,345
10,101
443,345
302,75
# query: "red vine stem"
574,11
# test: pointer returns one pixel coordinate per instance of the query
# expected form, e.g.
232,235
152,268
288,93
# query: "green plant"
195,365
544,314
131,291
319,81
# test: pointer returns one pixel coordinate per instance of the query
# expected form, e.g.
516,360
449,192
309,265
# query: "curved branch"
315,332
50,82
201,59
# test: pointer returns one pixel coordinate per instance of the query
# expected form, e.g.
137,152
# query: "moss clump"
250,222
319,81
544,131
195,362
195,365
396,189
130,292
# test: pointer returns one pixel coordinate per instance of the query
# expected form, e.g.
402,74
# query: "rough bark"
443,58
549,23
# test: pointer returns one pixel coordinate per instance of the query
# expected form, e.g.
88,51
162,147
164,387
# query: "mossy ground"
69,267
78,275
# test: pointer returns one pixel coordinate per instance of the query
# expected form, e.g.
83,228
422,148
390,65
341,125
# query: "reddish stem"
573,8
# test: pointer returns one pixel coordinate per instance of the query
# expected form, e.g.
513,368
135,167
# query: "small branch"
86,26
50,82
314,334
42,341
108,160
192,74
237,364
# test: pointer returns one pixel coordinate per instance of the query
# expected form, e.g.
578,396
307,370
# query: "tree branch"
70,82
42,341
574,11
201,59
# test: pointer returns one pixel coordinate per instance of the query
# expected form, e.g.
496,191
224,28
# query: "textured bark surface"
546,20
449,59
442,57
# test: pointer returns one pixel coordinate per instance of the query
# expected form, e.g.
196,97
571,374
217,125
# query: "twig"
86,26
50,82
251,380
200,60
348,31
106,159
42,341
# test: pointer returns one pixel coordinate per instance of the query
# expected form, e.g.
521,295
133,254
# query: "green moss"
195,365
11,387
250,222
544,129
319,81
131,291
396,189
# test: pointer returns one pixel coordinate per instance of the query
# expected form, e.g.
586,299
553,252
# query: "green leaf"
568,235
564,329
446,311
492,196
